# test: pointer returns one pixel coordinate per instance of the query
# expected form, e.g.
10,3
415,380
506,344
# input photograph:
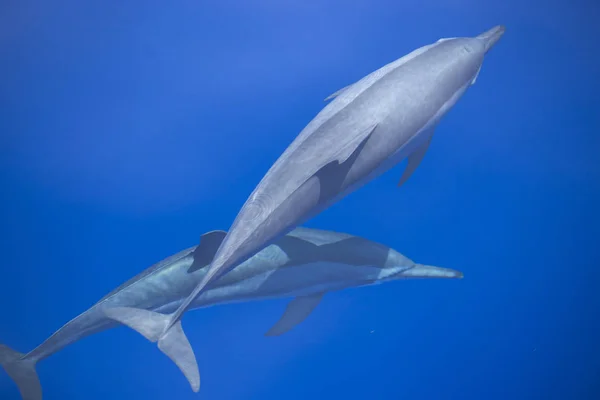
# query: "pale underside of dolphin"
305,264
369,127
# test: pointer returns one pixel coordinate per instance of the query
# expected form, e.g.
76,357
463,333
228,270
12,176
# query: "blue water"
126,131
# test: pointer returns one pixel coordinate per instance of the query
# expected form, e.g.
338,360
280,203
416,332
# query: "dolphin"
304,264
369,127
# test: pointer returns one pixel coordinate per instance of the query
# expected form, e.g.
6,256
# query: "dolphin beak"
490,37
429,271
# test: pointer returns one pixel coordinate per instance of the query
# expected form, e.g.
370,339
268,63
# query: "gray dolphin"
304,264
368,128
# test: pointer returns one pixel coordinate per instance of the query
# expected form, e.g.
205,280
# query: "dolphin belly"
291,281
416,140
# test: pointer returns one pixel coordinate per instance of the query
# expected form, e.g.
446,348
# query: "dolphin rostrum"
369,127
304,264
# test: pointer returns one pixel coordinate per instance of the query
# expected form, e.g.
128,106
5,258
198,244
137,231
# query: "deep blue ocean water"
127,130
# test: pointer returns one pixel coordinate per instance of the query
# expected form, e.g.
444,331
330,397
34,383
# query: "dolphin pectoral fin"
414,160
205,252
331,175
357,143
296,311
337,93
173,342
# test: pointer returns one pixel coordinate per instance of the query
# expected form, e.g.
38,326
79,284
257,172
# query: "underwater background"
128,129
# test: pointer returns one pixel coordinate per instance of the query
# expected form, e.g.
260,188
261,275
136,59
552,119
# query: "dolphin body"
304,264
369,127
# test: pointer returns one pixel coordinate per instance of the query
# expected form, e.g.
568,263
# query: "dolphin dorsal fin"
296,311
205,252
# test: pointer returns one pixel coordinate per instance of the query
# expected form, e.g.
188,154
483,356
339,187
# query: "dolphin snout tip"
454,274
500,29
491,36
497,30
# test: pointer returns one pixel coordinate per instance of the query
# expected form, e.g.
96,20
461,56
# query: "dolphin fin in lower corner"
22,371
173,342
296,311
414,160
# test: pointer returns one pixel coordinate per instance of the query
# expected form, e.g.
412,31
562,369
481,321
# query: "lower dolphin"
305,264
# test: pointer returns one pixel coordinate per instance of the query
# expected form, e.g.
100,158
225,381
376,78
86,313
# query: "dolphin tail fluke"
173,342
22,371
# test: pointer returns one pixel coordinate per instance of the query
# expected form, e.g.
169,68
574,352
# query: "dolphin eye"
467,49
